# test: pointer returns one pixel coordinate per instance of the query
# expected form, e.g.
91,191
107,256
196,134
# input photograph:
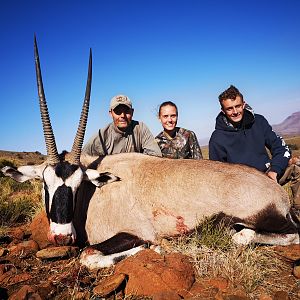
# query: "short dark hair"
231,93
165,104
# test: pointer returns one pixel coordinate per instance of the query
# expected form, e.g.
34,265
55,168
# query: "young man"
123,134
241,136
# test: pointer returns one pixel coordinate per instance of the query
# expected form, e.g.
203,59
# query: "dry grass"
204,150
294,143
19,202
22,158
215,255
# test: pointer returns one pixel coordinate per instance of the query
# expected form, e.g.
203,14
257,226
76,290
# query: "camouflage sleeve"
194,146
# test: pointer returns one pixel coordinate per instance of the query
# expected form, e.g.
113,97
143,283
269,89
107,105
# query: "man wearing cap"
123,134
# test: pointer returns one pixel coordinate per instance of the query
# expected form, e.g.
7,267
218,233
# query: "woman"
176,142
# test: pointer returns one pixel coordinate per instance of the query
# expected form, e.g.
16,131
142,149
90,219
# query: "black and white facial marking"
61,182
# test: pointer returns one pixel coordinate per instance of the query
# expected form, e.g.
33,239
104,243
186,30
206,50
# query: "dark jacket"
247,144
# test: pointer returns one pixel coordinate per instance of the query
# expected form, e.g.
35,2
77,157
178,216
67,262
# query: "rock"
39,230
236,297
291,252
24,293
196,289
17,234
265,297
109,285
209,288
219,283
82,295
169,295
2,269
6,270
296,269
24,249
281,295
58,252
205,293
8,278
3,251
150,273
46,290
239,291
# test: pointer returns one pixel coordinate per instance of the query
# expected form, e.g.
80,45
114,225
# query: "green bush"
214,236
17,210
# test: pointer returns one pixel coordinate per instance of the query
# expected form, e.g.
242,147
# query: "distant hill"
290,126
21,158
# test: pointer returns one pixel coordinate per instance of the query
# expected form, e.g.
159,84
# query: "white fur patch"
247,236
94,259
244,237
52,182
63,229
278,239
157,249
74,180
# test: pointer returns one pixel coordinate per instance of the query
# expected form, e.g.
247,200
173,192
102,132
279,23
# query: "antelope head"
61,175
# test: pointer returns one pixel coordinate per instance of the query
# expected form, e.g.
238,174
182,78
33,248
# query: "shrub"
18,201
293,146
213,254
17,210
20,156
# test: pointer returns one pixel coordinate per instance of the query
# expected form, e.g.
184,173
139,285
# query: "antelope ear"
24,173
100,179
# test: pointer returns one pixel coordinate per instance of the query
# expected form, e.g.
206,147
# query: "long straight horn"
53,157
78,141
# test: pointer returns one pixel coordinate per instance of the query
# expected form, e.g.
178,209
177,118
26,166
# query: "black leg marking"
119,258
120,242
270,220
83,197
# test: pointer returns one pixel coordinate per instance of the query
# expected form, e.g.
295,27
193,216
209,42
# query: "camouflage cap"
118,100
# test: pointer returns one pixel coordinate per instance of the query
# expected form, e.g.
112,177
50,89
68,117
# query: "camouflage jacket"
183,145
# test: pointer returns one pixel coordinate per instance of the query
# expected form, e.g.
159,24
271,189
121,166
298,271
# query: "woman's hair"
165,104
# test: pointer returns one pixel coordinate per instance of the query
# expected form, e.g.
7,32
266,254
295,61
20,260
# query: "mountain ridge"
289,126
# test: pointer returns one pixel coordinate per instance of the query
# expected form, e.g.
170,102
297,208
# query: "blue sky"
152,51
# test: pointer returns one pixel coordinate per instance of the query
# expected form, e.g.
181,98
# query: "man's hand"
294,160
272,175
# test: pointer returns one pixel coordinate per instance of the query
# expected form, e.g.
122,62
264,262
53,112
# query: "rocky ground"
30,268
